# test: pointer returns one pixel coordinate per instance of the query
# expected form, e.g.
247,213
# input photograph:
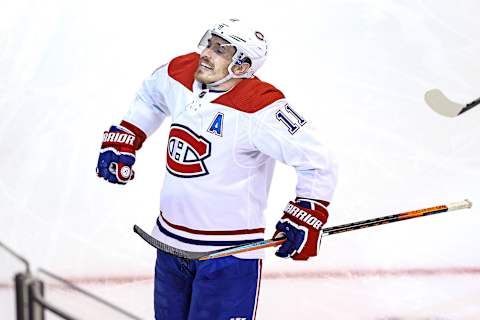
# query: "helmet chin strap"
230,74
219,82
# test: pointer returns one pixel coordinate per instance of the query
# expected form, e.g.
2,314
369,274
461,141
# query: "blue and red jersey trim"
211,232
204,242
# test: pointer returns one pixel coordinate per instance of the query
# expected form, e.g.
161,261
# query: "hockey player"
227,130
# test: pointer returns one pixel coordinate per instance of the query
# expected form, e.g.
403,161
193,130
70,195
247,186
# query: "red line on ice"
278,275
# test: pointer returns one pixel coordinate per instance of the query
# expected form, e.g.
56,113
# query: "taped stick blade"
441,104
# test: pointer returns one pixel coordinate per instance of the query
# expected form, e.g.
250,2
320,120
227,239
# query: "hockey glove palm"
301,223
117,153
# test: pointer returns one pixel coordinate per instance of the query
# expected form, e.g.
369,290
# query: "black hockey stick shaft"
470,106
351,226
278,241
396,217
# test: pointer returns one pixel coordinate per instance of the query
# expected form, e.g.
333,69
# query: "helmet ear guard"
240,61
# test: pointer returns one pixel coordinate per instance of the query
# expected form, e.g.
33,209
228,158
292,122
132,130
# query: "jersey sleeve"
281,133
149,108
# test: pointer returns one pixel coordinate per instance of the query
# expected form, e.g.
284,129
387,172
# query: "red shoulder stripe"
183,68
250,95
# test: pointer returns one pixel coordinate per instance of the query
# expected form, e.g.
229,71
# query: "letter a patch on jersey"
216,127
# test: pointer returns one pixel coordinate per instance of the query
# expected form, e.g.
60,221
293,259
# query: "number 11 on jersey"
292,126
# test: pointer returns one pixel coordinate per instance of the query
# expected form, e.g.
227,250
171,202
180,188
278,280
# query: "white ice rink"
359,69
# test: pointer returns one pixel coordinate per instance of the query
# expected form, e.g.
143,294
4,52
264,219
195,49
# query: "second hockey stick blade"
446,107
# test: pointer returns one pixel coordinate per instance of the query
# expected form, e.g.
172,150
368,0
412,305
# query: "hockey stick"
275,242
444,106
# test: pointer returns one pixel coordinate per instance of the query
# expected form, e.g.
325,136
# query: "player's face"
214,61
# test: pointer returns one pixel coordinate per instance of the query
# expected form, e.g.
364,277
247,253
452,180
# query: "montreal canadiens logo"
187,152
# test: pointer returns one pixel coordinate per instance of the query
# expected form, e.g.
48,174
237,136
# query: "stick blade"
441,104
166,248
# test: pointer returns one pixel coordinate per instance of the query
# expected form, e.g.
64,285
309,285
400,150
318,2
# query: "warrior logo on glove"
301,223
117,153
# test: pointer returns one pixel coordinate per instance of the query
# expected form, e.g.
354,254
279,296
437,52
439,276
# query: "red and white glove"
117,154
301,223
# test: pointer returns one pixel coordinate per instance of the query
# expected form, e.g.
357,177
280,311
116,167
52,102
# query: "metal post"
21,295
36,310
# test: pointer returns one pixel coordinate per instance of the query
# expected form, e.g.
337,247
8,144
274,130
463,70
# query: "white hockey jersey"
221,154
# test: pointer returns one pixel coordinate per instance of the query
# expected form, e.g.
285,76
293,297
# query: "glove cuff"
323,203
140,136
313,219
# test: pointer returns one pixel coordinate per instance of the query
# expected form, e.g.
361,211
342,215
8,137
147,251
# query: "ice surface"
359,69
